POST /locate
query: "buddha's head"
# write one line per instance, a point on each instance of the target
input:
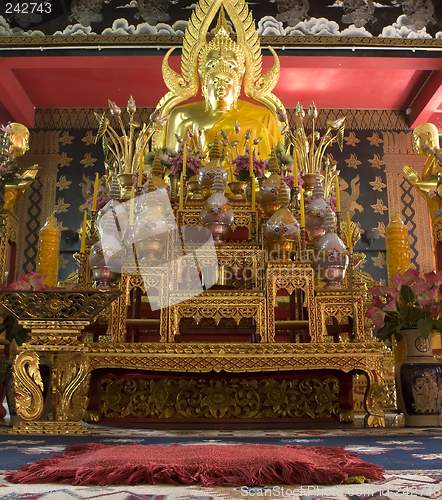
(221, 67)
(19, 139)
(425, 138)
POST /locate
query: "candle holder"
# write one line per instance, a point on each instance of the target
(295, 202)
(253, 227)
(338, 223)
(83, 268)
(303, 243)
(354, 337)
(93, 229)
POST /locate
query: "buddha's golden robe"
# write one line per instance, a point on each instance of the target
(258, 119)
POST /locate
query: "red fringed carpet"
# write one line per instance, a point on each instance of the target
(206, 465)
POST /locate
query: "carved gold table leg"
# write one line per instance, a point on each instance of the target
(374, 399)
(70, 384)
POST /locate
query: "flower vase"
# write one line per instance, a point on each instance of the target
(309, 184)
(126, 181)
(237, 188)
(419, 382)
(193, 187)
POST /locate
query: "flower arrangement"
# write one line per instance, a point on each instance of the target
(125, 151)
(102, 198)
(242, 166)
(193, 162)
(290, 181)
(412, 302)
(310, 149)
(10, 172)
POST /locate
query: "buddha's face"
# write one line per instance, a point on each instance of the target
(20, 143)
(222, 82)
(221, 90)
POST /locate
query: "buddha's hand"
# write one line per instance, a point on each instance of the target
(411, 175)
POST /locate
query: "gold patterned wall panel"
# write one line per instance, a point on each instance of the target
(398, 151)
(40, 198)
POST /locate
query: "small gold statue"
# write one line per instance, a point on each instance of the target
(221, 66)
(425, 139)
(19, 137)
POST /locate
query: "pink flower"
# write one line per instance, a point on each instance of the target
(391, 306)
(396, 280)
(434, 278)
(376, 315)
(290, 181)
(411, 276)
(426, 298)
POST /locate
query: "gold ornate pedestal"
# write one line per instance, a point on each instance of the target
(56, 320)
(225, 304)
(131, 277)
(251, 359)
(291, 276)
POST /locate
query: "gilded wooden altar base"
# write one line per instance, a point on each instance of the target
(201, 382)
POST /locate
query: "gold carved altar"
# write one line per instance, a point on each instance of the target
(270, 343)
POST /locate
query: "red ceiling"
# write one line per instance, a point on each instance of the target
(331, 82)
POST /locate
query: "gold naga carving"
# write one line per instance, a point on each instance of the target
(28, 386)
(71, 380)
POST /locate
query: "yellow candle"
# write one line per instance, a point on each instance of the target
(48, 251)
(83, 234)
(295, 171)
(185, 158)
(338, 196)
(349, 243)
(140, 171)
(182, 192)
(301, 203)
(253, 195)
(396, 242)
(251, 161)
(94, 203)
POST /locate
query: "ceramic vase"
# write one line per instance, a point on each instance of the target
(268, 193)
(419, 382)
(237, 188)
(330, 260)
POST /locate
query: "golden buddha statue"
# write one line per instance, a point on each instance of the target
(221, 66)
(425, 139)
(19, 138)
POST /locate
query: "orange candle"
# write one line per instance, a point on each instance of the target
(349, 243)
(301, 208)
(396, 242)
(338, 196)
(48, 251)
(83, 234)
(94, 203)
